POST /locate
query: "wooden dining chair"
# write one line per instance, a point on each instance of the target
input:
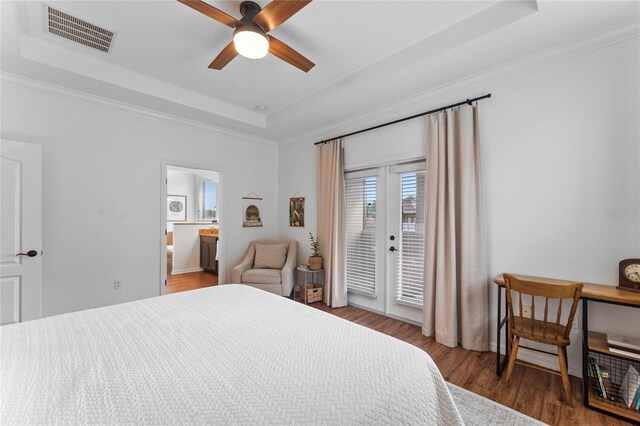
(543, 331)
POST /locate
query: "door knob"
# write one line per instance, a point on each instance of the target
(392, 248)
(30, 253)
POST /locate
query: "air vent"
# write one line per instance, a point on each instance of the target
(79, 31)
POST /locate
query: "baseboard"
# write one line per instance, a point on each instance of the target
(186, 271)
(543, 360)
(364, 308)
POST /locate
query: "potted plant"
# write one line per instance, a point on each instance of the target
(315, 260)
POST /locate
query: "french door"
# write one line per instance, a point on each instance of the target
(385, 239)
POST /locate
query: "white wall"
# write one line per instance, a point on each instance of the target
(297, 174)
(102, 192)
(560, 150)
(180, 182)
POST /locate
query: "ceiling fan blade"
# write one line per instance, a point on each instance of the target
(227, 54)
(211, 12)
(287, 54)
(278, 11)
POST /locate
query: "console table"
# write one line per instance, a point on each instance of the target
(590, 293)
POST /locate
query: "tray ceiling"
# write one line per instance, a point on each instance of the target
(368, 54)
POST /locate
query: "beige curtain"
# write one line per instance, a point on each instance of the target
(456, 281)
(331, 220)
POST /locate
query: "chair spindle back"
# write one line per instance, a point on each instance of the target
(529, 327)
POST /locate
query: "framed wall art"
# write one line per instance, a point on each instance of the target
(176, 208)
(296, 212)
(251, 207)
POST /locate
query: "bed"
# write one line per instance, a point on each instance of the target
(227, 354)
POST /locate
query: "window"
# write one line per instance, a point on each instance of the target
(208, 200)
(361, 234)
(409, 186)
(411, 258)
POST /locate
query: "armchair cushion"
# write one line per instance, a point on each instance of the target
(262, 276)
(270, 256)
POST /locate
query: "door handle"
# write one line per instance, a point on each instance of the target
(30, 253)
(392, 248)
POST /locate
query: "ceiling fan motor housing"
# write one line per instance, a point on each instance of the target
(249, 38)
(249, 9)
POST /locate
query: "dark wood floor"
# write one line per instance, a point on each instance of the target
(532, 392)
(191, 281)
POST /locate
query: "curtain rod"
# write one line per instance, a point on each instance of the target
(468, 101)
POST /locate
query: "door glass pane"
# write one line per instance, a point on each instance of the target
(361, 209)
(411, 257)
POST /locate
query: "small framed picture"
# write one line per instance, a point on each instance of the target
(176, 208)
(251, 212)
(296, 212)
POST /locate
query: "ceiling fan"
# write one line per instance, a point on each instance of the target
(250, 38)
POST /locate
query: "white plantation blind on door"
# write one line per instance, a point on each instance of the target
(361, 225)
(411, 257)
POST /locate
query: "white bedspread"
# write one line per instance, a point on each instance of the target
(221, 355)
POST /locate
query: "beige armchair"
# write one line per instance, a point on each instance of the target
(261, 273)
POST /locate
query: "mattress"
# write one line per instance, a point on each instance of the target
(227, 354)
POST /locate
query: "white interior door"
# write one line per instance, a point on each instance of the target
(20, 231)
(385, 239)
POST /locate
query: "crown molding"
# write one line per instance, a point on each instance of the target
(409, 105)
(62, 92)
(50, 53)
(423, 100)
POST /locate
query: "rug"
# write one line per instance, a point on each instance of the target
(478, 410)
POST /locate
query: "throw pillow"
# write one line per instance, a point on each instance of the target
(270, 256)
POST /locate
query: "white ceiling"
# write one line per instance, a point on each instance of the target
(367, 53)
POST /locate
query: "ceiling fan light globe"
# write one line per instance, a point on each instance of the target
(251, 43)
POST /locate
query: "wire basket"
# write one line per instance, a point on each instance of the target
(614, 380)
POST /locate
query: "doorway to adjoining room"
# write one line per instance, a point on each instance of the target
(192, 228)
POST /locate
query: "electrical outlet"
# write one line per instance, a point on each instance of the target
(117, 284)
(576, 321)
(526, 311)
